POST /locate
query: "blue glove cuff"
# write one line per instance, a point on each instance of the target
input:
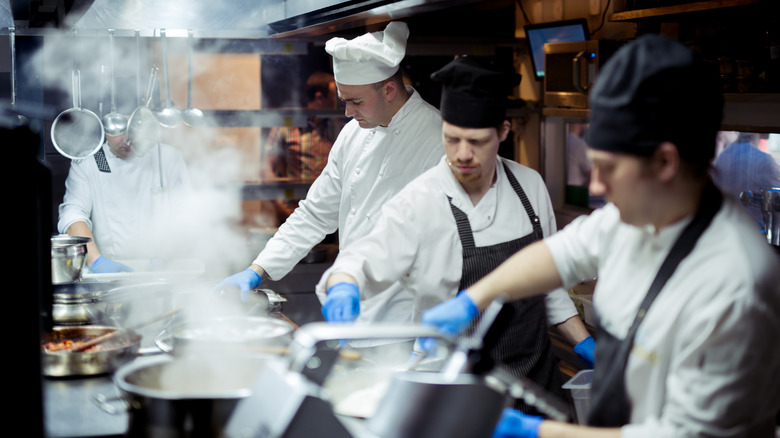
(468, 304)
(584, 349)
(345, 287)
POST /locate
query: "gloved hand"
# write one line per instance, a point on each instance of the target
(102, 265)
(515, 424)
(342, 303)
(584, 350)
(245, 281)
(451, 317)
(155, 264)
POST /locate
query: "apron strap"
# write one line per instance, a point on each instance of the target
(610, 405)
(464, 226)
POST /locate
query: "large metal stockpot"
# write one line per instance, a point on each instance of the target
(193, 396)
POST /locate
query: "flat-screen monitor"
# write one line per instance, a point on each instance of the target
(555, 32)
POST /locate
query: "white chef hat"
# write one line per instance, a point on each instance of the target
(369, 58)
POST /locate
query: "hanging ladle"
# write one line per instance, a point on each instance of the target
(169, 117)
(113, 122)
(21, 120)
(192, 116)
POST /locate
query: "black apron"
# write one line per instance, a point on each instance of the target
(524, 348)
(610, 406)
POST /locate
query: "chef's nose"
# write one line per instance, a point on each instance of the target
(596, 187)
(464, 152)
(349, 109)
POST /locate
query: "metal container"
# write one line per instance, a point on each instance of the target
(85, 302)
(109, 357)
(428, 405)
(68, 256)
(169, 396)
(225, 335)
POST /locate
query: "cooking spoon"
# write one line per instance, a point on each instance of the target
(169, 117)
(192, 116)
(113, 122)
(22, 120)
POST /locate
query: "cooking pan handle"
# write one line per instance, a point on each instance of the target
(105, 404)
(75, 78)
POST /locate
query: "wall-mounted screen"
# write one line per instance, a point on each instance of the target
(555, 32)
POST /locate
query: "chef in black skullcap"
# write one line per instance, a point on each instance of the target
(461, 219)
(687, 300)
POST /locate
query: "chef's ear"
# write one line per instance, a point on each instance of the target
(389, 89)
(503, 130)
(666, 161)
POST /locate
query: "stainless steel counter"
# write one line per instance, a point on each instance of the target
(70, 412)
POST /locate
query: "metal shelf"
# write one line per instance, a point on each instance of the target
(681, 9)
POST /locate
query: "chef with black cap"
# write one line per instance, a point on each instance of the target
(687, 299)
(461, 219)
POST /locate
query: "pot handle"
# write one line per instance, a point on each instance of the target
(105, 404)
(160, 341)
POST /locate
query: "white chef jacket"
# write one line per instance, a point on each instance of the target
(705, 360)
(366, 167)
(128, 208)
(417, 241)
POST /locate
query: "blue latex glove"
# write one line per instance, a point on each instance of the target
(515, 424)
(451, 317)
(342, 303)
(102, 265)
(245, 281)
(584, 350)
(155, 264)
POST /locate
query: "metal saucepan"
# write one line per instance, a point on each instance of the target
(169, 396)
(143, 128)
(86, 302)
(113, 122)
(77, 132)
(105, 358)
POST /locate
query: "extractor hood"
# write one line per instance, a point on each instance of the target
(215, 19)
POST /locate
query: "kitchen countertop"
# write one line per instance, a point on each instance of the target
(70, 412)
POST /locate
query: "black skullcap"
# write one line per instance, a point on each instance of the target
(474, 92)
(652, 90)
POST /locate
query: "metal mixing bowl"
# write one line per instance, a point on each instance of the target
(68, 255)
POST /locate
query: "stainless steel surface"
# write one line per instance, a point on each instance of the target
(113, 122)
(68, 256)
(77, 132)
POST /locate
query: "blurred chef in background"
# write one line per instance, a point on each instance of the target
(459, 221)
(119, 200)
(393, 137)
(696, 355)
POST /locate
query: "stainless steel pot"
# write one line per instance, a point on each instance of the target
(170, 396)
(428, 405)
(108, 358)
(68, 255)
(82, 303)
(225, 335)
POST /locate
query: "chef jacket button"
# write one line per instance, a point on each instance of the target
(357, 171)
(397, 132)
